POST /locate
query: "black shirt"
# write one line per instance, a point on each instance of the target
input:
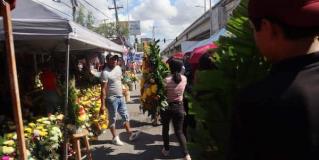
(278, 117)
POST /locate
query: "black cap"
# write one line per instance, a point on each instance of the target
(111, 56)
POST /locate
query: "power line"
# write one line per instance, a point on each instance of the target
(96, 9)
(54, 8)
(66, 4)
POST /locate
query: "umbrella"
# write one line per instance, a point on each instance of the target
(199, 51)
(178, 55)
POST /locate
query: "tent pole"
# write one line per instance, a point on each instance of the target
(66, 100)
(35, 62)
(14, 86)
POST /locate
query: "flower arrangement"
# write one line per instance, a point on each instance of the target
(129, 78)
(43, 139)
(153, 97)
(89, 100)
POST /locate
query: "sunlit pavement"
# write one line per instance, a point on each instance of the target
(147, 147)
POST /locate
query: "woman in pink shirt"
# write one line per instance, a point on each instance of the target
(175, 86)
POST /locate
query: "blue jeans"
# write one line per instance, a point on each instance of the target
(116, 104)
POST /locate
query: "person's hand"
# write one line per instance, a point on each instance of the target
(102, 110)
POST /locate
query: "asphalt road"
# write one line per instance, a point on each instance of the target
(147, 147)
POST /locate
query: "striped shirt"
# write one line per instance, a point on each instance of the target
(175, 91)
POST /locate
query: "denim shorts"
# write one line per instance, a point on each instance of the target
(116, 104)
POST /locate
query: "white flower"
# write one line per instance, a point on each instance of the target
(52, 118)
(36, 133)
(46, 122)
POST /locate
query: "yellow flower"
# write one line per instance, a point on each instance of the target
(40, 127)
(27, 135)
(96, 109)
(7, 150)
(43, 134)
(148, 91)
(154, 88)
(32, 125)
(9, 143)
(103, 116)
(28, 130)
(82, 118)
(104, 126)
(9, 136)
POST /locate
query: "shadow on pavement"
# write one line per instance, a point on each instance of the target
(136, 96)
(136, 124)
(99, 152)
(134, 101)
(99, 142)
(148, 147)
(150, 153)
(133, 124)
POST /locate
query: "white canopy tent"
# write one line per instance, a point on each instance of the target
(36, 27)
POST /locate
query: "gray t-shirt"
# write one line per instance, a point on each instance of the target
(113, 77)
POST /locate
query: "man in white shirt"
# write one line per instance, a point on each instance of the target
(111, 92)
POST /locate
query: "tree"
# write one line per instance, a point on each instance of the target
(108, 30)
(90, 21)
(80, 16)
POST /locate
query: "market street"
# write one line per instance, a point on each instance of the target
(147, 147)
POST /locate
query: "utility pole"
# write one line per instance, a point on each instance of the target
(204, 6)
(116, 15)
(74, 6)
(210, 18)
(128, 19)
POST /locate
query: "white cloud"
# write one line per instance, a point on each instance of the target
(147, 27)
(154, 9)
(170, 17)
(187, 11)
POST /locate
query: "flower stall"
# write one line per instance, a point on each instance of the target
(43, 138)
(129, 81)
(89, 111)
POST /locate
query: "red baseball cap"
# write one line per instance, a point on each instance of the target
(297, 13)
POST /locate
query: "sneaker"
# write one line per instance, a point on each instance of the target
(134, 135)
(165, 152)
(188, 157)
(116, 140)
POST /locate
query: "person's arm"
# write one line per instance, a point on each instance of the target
(104, 91)
(103, 96)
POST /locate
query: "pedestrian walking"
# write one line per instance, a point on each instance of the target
(277, 118)
(175, 86)
(112, 94)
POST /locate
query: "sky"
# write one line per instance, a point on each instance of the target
(168, 17)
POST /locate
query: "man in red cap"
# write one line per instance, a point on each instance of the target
(278, 117)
